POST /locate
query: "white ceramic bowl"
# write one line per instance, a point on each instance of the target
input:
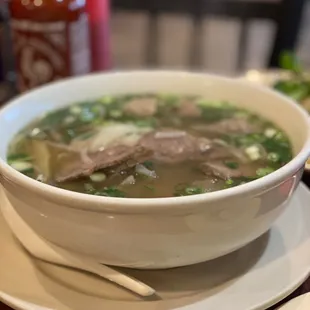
(160, 232)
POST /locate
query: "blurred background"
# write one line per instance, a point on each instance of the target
(43, 40)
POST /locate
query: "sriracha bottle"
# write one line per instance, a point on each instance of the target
(50, 40)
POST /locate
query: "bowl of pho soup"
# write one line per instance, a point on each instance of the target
(151, 169)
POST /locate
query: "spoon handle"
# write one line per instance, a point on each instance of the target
(119, 278)
(65, 258)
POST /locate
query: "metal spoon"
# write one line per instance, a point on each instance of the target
(51, 253)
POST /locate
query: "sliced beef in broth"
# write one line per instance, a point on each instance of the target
(149, 145)
(221, 152)
(220, 170)
(229, 126)
(173, 146)
(141, 107)
(190, 109)
(114, 156)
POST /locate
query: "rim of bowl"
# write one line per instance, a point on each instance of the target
(131, 205)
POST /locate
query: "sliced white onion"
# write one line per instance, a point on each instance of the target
(110, 135)
(140, 169)
(129, 181)
(169, 134)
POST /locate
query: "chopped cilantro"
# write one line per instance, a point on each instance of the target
(148, 164)
(109, 192)
(150, 187)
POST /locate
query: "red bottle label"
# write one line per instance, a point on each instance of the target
(49, 51)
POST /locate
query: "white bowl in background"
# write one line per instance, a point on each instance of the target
(158, 232)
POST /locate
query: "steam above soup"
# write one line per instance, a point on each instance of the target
(149, 146)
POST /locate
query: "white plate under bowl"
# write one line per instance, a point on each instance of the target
(254, 277)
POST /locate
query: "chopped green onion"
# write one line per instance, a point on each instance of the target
(22, 166)
(148, 164)
(169, 99)
(71, 133)
(270, 132)
(35, 132)
(106, 100)
(213, 103)
(69, 120)
(188, 191)
(150, 187)
(274, 157)
(75, 110)
(87, 116)
(261, 172)
(98, 177)
(85, 136)
(110, 192)
(253, 152)
(151, 122)
(18, 157)
(229, 182)
(116, 113)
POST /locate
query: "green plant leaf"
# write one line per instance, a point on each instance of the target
(289, 61)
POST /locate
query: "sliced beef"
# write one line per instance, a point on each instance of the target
(229, 126)
(173, 146)
(218, 153)
(141, 107)
(221, 152)
(189, 109)
(120, 156)
(220, 170)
